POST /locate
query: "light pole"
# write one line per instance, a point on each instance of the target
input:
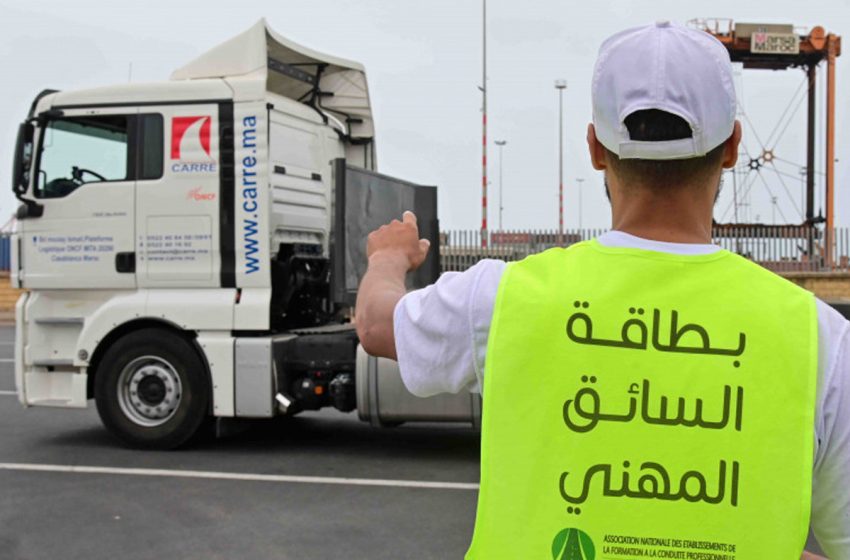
(484, 124)
(579, 180)
(561, 85)
(501, 144)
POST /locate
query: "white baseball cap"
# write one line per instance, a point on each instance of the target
(667, 67)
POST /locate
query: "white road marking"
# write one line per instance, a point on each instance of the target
(8, 393)
(215, 475)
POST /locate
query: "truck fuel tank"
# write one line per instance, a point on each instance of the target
(383, 400)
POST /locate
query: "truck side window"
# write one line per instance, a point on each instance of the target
(150, 146)
(80, 150)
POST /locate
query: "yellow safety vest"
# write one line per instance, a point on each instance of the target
(640, 404)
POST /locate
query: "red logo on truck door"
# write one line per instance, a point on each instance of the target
(197, 194)
(189, 135)
(190, 145)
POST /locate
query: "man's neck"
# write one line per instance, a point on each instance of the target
(671, 219)
(664, 232)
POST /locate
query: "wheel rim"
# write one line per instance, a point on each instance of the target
(149, 391)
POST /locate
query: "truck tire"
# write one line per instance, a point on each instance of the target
(152, 389)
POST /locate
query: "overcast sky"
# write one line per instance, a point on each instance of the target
(423, 61)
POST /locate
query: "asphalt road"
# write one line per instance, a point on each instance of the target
(80, 515)
(132, 515)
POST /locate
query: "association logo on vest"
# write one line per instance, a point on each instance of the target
(190, 144)
(573, 544)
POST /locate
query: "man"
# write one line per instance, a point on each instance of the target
(646, 394)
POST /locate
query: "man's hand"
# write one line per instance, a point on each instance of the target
(393, 250)
(398, 241)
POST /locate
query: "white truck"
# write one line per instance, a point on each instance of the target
(191, 249)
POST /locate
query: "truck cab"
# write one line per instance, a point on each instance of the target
(191, 248)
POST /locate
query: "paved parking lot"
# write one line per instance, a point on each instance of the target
(136, 507)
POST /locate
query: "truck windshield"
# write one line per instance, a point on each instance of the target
(80, 150)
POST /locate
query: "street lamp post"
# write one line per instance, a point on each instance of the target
(561, 85)
(579, 180)
(501, 144)
(484, 123)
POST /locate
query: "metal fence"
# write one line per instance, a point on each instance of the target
(778, 248)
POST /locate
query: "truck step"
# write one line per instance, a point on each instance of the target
(52, 402)
(59, 321)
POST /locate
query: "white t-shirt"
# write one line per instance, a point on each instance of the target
(441, 341)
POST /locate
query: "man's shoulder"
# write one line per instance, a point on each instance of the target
(766, 275)
(486, 271)
(833, 324)
(552, 255)
(455, 285)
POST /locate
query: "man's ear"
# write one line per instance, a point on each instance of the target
(597, 150)
(730, 150)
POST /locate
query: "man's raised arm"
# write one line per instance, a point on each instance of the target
(393, 250)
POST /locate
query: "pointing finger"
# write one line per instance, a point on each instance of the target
(409, 217)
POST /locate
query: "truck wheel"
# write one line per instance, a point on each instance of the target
(152, 390)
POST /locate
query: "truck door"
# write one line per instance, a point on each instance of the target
(87, 163)
(177, 215)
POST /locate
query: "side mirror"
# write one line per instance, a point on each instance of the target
(23, 158)
(21, 172)
(29, 209)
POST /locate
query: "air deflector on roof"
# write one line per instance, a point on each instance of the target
(332, 85)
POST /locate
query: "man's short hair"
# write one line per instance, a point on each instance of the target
(655, 125)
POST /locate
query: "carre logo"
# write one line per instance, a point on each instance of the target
(190, 134)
